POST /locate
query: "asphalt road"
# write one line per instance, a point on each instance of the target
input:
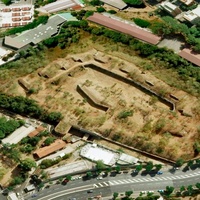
(118, 183)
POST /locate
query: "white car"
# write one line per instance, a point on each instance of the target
(99, 178)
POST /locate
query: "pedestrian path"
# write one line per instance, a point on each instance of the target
(149, 179)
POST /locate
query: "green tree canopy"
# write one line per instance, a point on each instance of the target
(100, 165)
(133, 2)
(27, 164)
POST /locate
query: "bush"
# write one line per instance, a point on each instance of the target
(141, 22)
(49, 141)
(124, 114)
(100, 9)
(112, 12)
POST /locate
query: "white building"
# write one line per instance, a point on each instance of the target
(18, 134)
(170, 8)
(193, 16)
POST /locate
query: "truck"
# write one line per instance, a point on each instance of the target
(29, 188)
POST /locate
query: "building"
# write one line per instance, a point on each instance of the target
(116, 3)
(42, 32)
(126, 159)
(12, 196)
(42, 152)
(109, 157)
(60, 5)
(124, 27)
(18, 134)
(170, 8)
(190, 56)
(36, 131)
(187, 2)
(193, 16)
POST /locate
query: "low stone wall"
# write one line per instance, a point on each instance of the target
(139, 86)
(92, 101)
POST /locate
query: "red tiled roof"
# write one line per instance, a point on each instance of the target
(16, 9)
(6, 25)
(26, 8)
(15, 14)
(24, 23)
(16, 24)
(36, 131)
(6, 10)
(57, 145)
(16, 19)
(26, 18)
(190, 56)
(124, 28)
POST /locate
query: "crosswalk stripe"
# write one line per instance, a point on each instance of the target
(126, 181)
(116, 182)
(120, 181)
(131, 180)
(105, 183)
(111, 183)
(95, 185)
(100, 184)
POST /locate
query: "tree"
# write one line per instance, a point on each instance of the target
(179, 162)
(149, 166)
(190, 189)
(128, 193)
(190, 163)
(182, 188)
(158, 167)
(49, 141)
(117, 168)
(138, 167)
(89, 174)
(27, 164)
(198, 185)
(169, 190)
(100, 165)
(141, 22)
(69, 177)
(7, 2)
(100, 9)
(133, 2)
(115, 195)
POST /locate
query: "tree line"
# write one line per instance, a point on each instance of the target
(28, 107)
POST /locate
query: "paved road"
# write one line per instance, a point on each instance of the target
(119, 183)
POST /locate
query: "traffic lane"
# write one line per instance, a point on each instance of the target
(187, 181)
(48, 194)
(104, 192)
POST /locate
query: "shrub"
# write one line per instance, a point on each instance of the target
(141, 22)
(124, 114)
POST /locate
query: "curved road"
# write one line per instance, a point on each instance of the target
(118, 183)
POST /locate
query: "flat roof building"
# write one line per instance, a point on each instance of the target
(57, 145)
(39, 33)
(170, 8)
(116, 3)
(126, 28)
(18, 134)
(60, 5)
(193, 16)
(190, 56)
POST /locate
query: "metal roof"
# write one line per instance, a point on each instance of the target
(115, 3)
(126, 28)
(37, 34)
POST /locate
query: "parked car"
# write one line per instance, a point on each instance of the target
(161, 191)
(159, 172)
(65, 181)
(90, 191)
(99, 178)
